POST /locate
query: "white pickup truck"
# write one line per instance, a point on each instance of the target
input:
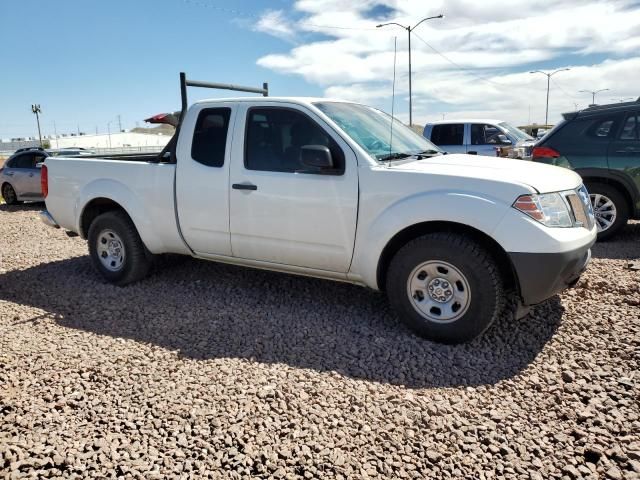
(334, 190)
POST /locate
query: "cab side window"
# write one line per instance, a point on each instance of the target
(210, 136)
(483, 134)
(275, 136)
(448, 134)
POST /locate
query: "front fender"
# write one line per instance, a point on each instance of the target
(483, 213)
(127, 199)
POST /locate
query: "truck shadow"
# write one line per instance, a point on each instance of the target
(23, 207)
(624, 246)
(267, 317)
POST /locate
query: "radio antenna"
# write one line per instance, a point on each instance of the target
(393, 95)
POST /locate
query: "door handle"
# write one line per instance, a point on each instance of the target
(472, 153)
(31, 174)
(244, 186)
(9, 174)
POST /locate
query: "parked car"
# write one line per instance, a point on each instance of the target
(20, 176)
(318, 187)
(602, 144)
(479, 137)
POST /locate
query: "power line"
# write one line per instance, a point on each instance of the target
(563, 90)
(470, 71)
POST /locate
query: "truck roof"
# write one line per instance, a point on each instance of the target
(465, 120)
(304, 100)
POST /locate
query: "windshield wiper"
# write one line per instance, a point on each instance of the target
(429, 152)
(394, 156)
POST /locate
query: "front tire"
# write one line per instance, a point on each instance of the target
(116, 249)
(9, 195)
(609, 207)
(445, 287)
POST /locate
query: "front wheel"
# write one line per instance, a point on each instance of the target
(116, 249)
(445, 287)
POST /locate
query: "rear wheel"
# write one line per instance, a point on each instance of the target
(9, 195)
(445, 287)
(117, 250)
(610, 209)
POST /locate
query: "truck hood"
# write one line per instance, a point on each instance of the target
(541, 177)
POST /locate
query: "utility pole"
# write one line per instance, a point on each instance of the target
(37, 110)
(109, 132)
(549, 75)
(410, 29)
(119, 124)
(55, 130)
(593, 94)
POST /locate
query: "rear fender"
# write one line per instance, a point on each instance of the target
(130, 202)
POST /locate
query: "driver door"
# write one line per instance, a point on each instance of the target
(282, 211)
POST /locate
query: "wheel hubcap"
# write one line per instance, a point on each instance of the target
(604, 210)
(439, 291)
(110, 250)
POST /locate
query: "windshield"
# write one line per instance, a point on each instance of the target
(516, 132)
(371, 129)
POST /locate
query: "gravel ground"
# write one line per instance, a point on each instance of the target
(206, 370)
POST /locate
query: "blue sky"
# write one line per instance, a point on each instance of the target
(86, 62)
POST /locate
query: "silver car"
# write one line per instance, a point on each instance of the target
(20, 176)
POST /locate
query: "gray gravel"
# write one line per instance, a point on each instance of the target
(206, 370)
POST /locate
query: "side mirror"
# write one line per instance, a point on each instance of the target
(316, 156)
(504, 140)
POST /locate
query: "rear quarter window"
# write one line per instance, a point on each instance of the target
(602, 128)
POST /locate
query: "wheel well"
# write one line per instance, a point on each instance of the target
(93, 209)
(414, 231)
(624, 191)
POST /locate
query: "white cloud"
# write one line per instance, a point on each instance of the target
(275, 23)
(494, 43)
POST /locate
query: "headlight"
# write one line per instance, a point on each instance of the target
(550, 209)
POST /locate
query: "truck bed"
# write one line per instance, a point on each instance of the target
(143, 187)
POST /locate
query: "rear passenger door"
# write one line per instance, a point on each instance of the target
(449, 137)
(202, 178)
(21, 173)
(624, 150)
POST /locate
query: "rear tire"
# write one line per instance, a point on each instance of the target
(445, 287)
(9, 195)
(610, 208)
(116, 249)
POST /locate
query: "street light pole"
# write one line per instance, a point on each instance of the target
(549, 75)
(410, 29)
(37, 110)
(593, 94)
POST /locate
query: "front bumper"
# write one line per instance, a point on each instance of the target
(542, 275)
(47, 219)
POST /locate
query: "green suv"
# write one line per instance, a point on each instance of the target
(602, 144)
